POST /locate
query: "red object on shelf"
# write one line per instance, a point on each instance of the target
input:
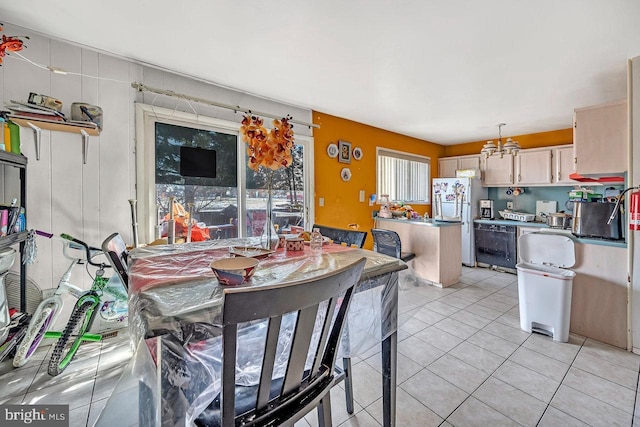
(600, 179)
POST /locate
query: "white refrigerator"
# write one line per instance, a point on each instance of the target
(458, 199)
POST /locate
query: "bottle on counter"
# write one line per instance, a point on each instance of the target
(316, 241)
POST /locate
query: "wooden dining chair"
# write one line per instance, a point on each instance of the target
(388, 242)
(284, 401)
(349, 237)
(339, 235)
(117, 254)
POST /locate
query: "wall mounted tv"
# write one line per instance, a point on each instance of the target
(197, 162)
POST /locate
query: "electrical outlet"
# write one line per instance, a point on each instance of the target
(509, 205)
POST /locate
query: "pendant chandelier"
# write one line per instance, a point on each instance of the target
(510, 146)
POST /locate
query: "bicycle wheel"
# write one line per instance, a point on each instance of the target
(34, 335)
(71, 338)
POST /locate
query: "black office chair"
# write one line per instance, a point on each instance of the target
(339, 235)
(116, 251)
(388, 242)
(284, 400)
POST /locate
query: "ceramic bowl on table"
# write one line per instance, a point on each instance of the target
(234, 271)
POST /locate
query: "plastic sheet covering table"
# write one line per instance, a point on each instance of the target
(175, 306)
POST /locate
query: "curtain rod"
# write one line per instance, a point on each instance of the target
(143, 88)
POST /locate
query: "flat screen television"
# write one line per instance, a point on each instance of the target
(197, 162)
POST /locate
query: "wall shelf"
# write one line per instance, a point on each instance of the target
(38, 124)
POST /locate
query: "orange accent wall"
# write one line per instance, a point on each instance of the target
(533, 140)
(341, 199)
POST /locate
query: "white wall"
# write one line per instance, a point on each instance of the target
(90, 201)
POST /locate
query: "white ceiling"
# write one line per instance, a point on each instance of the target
(443, 71)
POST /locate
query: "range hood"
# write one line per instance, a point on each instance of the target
(597, 179)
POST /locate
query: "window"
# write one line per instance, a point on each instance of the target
(403, 176)
(202, 161)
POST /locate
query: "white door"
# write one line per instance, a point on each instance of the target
(564, 163)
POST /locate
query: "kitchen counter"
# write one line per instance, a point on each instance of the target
(437, 245)
(428, 223)
(542, 225)
(599, 295)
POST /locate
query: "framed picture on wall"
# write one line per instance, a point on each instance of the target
(344, 155)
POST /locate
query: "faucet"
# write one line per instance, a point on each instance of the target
(616, 208)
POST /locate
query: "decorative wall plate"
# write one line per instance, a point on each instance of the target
(357, 153)
(332, 150)
(345, 173)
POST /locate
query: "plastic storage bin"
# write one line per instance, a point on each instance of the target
(545, 284)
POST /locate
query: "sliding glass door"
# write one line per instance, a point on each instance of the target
(201, 162)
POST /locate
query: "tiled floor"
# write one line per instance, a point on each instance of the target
(462, 361)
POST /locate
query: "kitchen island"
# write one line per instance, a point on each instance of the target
(437, 246)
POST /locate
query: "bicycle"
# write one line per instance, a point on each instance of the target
(13, 324)
(106, 297)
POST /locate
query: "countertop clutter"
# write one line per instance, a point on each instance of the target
(423, 222)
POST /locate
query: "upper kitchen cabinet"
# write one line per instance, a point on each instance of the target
(600, 139)
(447, 166)
(563, 164)
(498, 170)
(533, 167)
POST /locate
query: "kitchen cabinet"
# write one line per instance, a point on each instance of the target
(447, 166)
(600, 139)
(533, 167)
(498, 171)
(599, 297)
(563, 165)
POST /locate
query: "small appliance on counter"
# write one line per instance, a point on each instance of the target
(486, 209)
(590, 220)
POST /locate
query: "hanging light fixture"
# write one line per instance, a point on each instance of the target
(510, 146)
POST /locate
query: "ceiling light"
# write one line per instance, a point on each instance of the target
(510, 146)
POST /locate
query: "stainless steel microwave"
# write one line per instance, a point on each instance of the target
(590, 220)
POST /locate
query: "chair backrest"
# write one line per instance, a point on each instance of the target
(325, 298)
(338, 235)
(386, 242)
(116, 251)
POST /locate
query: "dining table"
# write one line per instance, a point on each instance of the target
(175, 304)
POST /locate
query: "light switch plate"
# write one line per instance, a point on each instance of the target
(362, 195)
(321, 201)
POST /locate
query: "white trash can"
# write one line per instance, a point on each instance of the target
(545, 284)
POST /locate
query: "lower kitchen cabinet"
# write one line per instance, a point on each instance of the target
(599, 298)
